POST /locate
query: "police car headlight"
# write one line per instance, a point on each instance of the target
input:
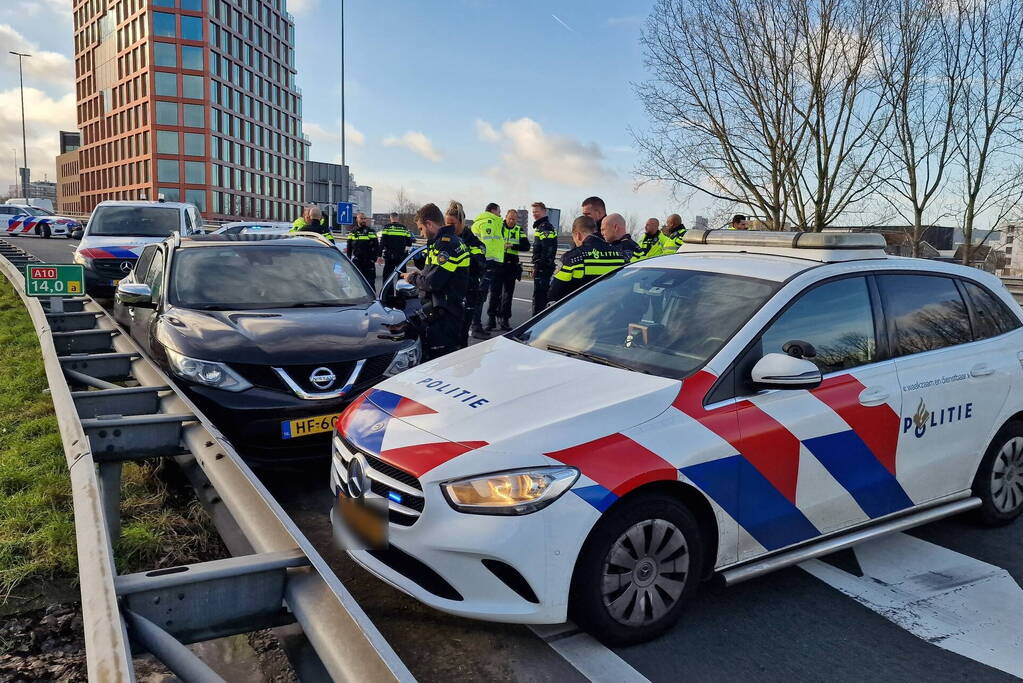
(82, 260)
(404, 359)
(207, 372)
(516, 492)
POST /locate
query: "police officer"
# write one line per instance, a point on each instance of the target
(654, 243)
(613, 229)
(488, 228)
(594, 208)
(363, 248)
(311, 220)
(591, 258)
(502, 290)
(395, 240)
(474, 295)
(441, 283)
(674, 230)
(545, 251)
(738, 222)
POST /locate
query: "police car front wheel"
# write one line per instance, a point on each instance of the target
(999, 480)
(639, 566)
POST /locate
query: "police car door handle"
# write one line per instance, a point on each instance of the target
(981, 370)
(874, 396)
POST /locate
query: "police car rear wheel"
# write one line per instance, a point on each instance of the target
(44, 230)
(638, 568)
(999, 480)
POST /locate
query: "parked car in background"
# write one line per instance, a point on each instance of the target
(35, 202)
(271, 336)
(117, 232)
(17, 220)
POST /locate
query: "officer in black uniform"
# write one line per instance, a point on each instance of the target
(615, 233)
(455, 217)
(591, 258)
(395, 241)
(545, 252)
(364, 248)
(441, 283)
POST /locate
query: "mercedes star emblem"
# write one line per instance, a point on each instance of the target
(322, 378)
(126, 267)
(358, 482)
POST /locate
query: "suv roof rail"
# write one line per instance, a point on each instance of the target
(790, 240)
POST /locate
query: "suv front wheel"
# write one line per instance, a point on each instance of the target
(638, 568)
(999, 480)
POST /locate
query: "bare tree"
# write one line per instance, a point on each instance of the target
(989, 128)
(404, 207)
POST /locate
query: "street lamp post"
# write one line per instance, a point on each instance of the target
(24, 144)
(344, 162)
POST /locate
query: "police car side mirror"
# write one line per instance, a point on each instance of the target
(781, 371)
(135, 295)
(77, 234)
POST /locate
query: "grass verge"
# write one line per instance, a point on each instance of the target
(37, 533)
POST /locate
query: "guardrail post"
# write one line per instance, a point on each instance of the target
(110, 490)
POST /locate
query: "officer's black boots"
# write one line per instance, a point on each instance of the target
(480, 333)
(491, 325)
(505, 324)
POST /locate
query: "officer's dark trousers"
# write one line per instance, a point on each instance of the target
(473, 303)
(442, 335)
(369, 271)
(389, 265)
(541, 288)
(502, 290)
(486, 285)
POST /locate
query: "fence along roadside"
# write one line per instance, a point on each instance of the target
(113, 405)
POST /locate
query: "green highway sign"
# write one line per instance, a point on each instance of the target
(54, 280)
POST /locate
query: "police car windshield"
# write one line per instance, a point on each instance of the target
(136, 221)
(661, 321)
(37, 211)
(235, 277)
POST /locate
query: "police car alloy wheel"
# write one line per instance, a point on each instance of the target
(44, 230)
(999, 480)
(640, 565)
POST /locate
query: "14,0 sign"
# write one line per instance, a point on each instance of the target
(54, 280)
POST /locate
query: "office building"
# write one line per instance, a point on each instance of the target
(192, 99)
(37, 189)
(68, 181)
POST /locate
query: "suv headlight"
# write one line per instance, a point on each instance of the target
(515, 492)
(207, 372)
(404, 359)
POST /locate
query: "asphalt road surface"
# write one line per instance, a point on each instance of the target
(941, 603)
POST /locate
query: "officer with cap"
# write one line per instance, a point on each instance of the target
(591, 258)
(441, 283)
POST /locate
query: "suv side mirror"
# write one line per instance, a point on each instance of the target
(134, 294)
(405, 290)
(781, 371)
(77, 234)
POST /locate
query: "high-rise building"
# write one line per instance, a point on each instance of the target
(68, 179)
(192, 99)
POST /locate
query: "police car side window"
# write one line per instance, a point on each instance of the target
(836, 318)
(926, 312)
(991, 316)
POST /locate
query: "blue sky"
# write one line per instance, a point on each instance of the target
(476, 100)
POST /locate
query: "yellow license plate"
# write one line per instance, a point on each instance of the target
(366, 519)
(292, 429)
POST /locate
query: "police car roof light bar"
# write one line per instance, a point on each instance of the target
(788, 240)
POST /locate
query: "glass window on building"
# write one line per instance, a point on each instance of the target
(193, 115)
(164, 54)
(170, 194)
(191, 57)
(197, 197)
(191, 28)
(215, 147)
(194, 5)
(163, 3)
(167, 171)
(192, 87)
(195, 144)
(166, 83)
(195, 172)
(167, 113)
(163, 25)
(166, 142)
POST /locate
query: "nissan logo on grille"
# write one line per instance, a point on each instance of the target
(358, 481)
(126, 267)
(322, 378)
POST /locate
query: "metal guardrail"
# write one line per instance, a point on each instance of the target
(114, 405)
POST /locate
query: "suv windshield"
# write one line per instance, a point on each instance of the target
(662, 321)
(137, 221)
(265, 276)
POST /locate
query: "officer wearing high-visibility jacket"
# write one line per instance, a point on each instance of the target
(364, 248)
(395, 240)
(654, 243)
(488, 227)
(674, 230)
(591, 258)
(545, 251)
(474, 295)
(311, 220)
(441, 283)
(502, 289)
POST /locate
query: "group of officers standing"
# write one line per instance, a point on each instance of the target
(461, 270)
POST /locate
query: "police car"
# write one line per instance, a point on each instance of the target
(753, 401)
(17, 220)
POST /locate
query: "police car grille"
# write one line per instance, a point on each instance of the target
(111, 267)
(405, 502)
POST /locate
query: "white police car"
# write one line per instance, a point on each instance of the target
(753, 401)
(17, 220)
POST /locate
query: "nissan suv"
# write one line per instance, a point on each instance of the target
(271, 336)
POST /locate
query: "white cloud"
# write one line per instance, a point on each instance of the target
(302, 6)
(529, 152)
(51, 67)
(320, 135)
(417, 142)
(44, 116)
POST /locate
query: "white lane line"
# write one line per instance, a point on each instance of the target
(956, 602)
(528, 301)
(587, 655)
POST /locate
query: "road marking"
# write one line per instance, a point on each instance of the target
(528, 301)
(587, 655)
(956, 602)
